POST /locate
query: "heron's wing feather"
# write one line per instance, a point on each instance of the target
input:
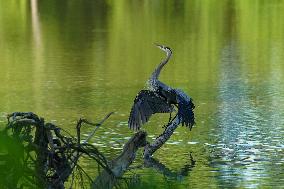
(185, 109)
(145, 105)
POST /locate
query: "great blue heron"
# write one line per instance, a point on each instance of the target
(160, 98)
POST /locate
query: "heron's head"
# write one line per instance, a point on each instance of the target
(164, 48)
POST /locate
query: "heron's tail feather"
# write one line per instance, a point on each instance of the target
(186, 114)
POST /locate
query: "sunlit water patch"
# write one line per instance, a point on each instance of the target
(250, 142)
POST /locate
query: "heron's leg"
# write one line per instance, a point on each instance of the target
(170, 119)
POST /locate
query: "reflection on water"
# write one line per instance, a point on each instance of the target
(246, 143)
(68, 59)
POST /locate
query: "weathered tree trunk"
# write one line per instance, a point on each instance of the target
(120, 164)
(151, 148)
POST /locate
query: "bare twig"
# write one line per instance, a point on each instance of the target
(97, 126)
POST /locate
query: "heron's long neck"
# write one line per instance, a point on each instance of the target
(156, 73)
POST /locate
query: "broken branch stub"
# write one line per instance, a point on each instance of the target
(120, 164)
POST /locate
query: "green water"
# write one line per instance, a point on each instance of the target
(84, 58)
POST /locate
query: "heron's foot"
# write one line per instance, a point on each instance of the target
(166, 126)
(170, 118)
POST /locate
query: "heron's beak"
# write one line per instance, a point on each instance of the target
(159, 46)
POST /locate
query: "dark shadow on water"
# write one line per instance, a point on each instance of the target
(167, 172)
(136, 180)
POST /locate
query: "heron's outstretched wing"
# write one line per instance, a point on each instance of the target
(185, 109)
(145, 105)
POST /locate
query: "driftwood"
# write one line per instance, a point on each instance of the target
(57, 156)
(120, 164)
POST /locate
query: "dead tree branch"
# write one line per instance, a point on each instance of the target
(160, 140)
(120, 164)
(57, 155)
